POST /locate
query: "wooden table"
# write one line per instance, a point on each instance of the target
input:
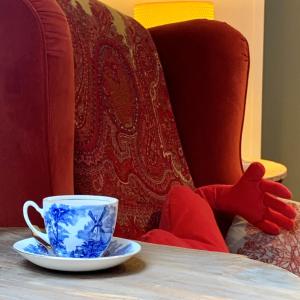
(158, 272)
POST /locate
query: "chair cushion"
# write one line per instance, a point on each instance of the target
(281, 250)
(126, 142)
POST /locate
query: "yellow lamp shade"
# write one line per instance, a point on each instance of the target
(159, 13)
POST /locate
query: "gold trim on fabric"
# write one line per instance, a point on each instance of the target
(85, 5)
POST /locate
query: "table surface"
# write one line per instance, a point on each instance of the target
(158, 272)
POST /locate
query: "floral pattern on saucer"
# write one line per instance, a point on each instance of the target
(36, 249)
(115, 248)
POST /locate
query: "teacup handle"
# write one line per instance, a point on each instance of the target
(40, 234)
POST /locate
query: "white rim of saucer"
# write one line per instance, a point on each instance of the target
(139, 247)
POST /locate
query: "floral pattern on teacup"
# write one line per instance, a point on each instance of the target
(95, 234)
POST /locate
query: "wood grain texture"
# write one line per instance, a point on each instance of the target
(158, 272)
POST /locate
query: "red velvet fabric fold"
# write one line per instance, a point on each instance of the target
(187, 220)
(206, 65)
(37, 105)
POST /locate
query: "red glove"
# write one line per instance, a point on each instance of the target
(162, 237)
(254, 199)
(188, 221)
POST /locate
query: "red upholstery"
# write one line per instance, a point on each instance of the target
(37, 105)
(126, 143)
(207, 87)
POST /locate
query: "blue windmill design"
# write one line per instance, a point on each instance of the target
(95, 234)
(98, 231)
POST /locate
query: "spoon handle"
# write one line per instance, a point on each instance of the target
(42, 242)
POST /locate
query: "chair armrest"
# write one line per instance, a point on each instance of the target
(37, 105)
(206, 65)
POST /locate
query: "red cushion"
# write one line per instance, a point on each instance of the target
(191, 220)
(126, 143)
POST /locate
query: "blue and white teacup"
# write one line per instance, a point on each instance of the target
(78, 226)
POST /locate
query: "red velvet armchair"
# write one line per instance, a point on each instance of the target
(92, 103)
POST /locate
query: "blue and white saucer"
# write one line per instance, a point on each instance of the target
(118, 252)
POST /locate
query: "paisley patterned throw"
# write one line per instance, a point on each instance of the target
(126, 141)
(282, 250)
